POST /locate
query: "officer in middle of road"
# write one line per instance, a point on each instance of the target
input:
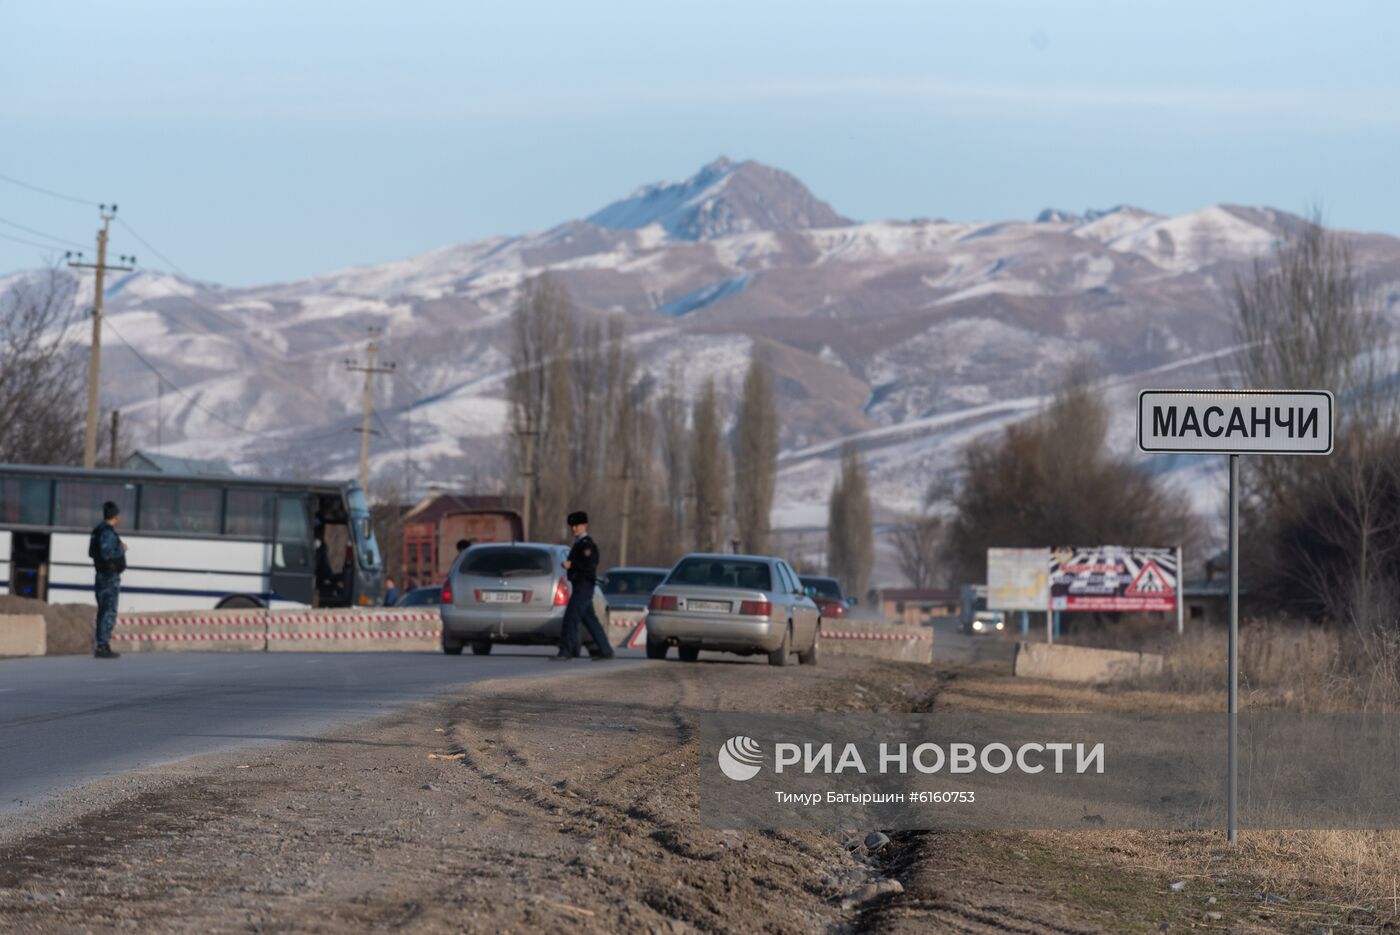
(582, 569)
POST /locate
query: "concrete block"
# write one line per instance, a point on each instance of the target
(620, 624)
(191, 631)
(880, 640)
(23, 635)
(352, 630)
(1082, 664)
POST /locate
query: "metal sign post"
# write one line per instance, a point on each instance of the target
(1235, 422)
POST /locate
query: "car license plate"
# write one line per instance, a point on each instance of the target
(720, 606)
(502, 597)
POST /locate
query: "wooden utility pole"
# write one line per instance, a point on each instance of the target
(369, 370)
(95, 354)
(112, 452)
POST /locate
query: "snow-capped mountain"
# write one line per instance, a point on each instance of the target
(909, 337)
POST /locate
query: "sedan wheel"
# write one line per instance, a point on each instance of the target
(809, 658)
(688, 653)
(451, 647)
(779, 656)
(656, 649)
(481, 648)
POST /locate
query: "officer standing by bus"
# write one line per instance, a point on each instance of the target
(581, 568)
(108, 554)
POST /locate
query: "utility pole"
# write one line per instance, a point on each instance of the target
(95, 355)
(369, 370)
(112, 453)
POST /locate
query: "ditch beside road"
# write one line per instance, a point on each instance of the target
(570, 804)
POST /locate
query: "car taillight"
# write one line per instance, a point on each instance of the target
(561, 593)
(446, 597)
(755, 608)
(662, 602)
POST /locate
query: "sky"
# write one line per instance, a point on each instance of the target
(252, 142)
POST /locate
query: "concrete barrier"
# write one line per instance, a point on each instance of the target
(23, 635)
(621, 624)
(881, 640)
(1081, 664)
(191, 631)
(341, 631)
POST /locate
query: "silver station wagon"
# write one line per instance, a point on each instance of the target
(741, 604)
(508, 593)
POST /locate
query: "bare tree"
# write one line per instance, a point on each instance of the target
(41, 399)
(709, 463)
(1051, 480)
(541, 396)
(850, 535)
(1329, 527)
(674, 443)
(755, 457)
(919, 539)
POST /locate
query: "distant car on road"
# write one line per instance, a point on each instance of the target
(827, 593)
(507, 593)
(741, 604)
(630, 588)
(422, 597)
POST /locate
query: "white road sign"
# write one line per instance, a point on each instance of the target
(1018, 579)
(1259, 422)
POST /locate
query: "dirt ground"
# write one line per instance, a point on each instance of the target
(570, 804)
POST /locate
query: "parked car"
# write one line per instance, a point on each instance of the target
(630, 588)
(421, 597)
(508, 593)
(830, 601)
(741, 604)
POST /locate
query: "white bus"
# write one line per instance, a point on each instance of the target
(194, 542)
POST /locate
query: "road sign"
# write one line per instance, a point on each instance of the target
(1234, 423)
(1018, 579)
(1260, 422)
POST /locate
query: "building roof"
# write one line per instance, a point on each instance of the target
(170, 464)
(437, 505)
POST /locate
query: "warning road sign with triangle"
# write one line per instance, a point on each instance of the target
(1150, 581)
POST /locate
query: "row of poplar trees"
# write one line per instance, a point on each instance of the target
(657, 475)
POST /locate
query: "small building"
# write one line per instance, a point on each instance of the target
(432, 529)
(917, 606)
(1207, 598)
(147, 461)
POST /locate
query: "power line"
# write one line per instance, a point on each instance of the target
(47, 191)
(148, 245)
(30, 230)
(28, 243)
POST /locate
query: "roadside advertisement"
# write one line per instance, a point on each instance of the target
(1018, 579)
(1113, 579)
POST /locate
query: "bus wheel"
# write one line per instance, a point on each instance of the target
(239, 602)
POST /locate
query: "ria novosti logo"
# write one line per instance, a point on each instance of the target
(740, 758)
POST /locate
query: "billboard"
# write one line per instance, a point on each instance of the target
(1018, 579)
(1113, 579)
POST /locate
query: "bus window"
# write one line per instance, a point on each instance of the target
(171, 508)
(249, 514)
(292, 550)
(78, 503)
(25, 501)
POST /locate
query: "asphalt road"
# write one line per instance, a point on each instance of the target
(66, 720)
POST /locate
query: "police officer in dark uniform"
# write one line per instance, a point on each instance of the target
(582, 569)
(108, 554)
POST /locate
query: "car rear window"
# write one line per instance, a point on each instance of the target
(722, 573)
(421, 597)
(632, 582)
(508, 561)
(825, 587)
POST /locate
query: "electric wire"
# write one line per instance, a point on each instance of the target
(47, 191)
(38, 233)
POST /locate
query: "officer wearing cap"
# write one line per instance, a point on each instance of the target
(582, 569)
(108, 554)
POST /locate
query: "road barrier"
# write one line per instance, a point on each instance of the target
(881, 640)
(23, 635)
(370, 630)
(1081, 664)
